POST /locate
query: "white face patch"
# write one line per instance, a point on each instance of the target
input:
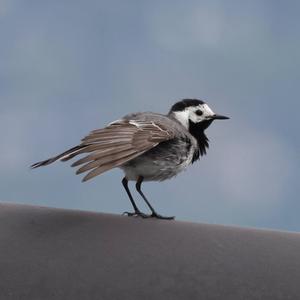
(196, 114)
(200, 113)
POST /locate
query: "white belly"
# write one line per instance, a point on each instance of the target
(155, 170)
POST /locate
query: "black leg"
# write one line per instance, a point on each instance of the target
(154, 213)
(136, 212)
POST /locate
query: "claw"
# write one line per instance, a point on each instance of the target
(136, 214)
(157, 216)
(145, 216)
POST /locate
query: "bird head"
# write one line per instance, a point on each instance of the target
(194, 112)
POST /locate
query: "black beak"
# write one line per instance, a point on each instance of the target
(219, 117)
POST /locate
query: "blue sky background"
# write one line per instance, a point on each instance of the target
(67, 67)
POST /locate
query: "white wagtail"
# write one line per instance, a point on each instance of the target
(146, 146)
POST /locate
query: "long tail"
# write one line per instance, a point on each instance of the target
(63, 156)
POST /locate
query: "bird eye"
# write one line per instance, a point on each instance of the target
(199, 112)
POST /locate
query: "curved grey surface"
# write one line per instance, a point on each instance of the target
(51, 253)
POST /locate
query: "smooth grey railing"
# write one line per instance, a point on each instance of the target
(48, 253)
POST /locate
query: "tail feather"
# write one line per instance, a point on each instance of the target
(63, 156)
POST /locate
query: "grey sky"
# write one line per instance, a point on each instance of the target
(67, 67)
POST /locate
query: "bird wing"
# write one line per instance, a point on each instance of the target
(118, 143)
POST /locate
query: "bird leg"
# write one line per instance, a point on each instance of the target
(154, 213)
(137, 212)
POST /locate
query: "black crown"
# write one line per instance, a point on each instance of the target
(183, 104)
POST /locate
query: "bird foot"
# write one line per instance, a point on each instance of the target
(136, 214)
(157, 216)
(145, 216)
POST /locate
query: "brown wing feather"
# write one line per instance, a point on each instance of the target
(118, 143)
(102, 152)
(104, 159)
(113, 146)
(102, 168)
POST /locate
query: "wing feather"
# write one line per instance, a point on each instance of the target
(102, 168)
(109, 152)
(106, 160)
(114, 145)
(101, 151)
(118, 143)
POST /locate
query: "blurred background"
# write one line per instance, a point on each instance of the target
(67, 67)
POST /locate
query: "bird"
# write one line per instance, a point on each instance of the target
(147, 146)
